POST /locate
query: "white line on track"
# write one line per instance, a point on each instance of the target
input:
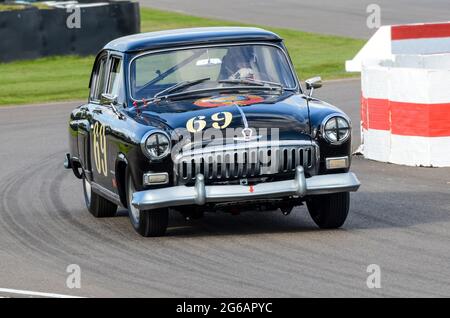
(33, 293)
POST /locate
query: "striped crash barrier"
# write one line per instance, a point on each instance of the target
(405, 104)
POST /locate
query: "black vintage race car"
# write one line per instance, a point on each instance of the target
(207, 119)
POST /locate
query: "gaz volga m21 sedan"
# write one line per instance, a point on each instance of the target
(204, 120)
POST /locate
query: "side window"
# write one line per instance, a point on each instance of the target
(115, 77)
(99, 80)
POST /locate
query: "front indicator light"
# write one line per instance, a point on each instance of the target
(337, 163)
(156, 178)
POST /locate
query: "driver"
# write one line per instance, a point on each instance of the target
(238, 63)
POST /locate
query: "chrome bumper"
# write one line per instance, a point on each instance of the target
(201, 194)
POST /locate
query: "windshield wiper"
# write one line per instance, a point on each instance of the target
(250, 82)
(179, 86)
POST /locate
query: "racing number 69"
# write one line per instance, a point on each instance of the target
(100, 154)
(221, 121)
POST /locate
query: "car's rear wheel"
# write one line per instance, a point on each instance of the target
(329, 211)
(148, 223)
(96, 204)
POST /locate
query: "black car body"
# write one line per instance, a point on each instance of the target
(148, 141)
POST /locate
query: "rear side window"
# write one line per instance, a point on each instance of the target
(98, 86)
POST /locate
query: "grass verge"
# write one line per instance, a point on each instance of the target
(15, 6)
(67, 77)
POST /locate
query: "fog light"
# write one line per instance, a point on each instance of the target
(156, 178)
(336, 163)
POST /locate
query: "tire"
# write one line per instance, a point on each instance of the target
(329, 211)
(96, 204)
(148, 223)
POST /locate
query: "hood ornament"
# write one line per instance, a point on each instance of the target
(247, 133)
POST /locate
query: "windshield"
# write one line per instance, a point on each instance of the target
(155, 72)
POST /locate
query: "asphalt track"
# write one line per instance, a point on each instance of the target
(400, 220)
(342, 17)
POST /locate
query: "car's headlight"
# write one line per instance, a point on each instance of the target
(156, 145)
(336, 129)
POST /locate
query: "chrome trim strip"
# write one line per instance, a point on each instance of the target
(192, 149)
(107, 194)
(288, 60)
(244, 118)
(201, 194)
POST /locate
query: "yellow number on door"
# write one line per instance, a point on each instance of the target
(100, 152)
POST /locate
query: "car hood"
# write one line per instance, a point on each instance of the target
(287, 114)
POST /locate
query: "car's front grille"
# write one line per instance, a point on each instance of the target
(245, 162)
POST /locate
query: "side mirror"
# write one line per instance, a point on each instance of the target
(108, 100)
(111, 101)
(313, 83)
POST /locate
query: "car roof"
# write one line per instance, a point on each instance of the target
(192, 36)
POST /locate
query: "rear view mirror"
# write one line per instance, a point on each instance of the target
(209, 62)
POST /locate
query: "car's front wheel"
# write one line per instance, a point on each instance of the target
(329, 211)
(148, 223)
(96, 204)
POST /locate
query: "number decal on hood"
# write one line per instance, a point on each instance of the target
(221, 120)
(224, 117)
(196, 124)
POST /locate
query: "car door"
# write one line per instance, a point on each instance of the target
(84, 115)
(103, 122)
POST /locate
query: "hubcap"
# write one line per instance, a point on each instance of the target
(134, 212)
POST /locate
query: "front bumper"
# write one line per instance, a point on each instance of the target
(201, 194)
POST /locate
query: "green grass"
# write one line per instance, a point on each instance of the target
(67, 78)
(45, 80)
(12, 7)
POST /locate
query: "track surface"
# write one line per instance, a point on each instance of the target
(343, 17)
(400, 220)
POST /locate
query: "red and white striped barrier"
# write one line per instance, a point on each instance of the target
(424, 38)
(405, 104)
(427, 38)
(405, 111)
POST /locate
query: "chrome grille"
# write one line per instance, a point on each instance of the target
(237, 163)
